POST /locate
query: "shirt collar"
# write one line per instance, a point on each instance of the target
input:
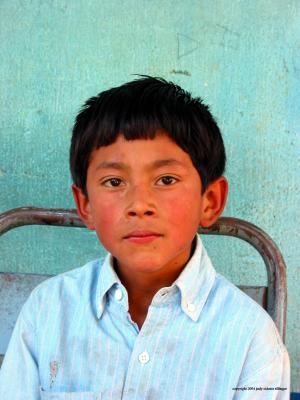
(107, 279)
(194, 282)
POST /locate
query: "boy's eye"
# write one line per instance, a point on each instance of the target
(167, 180)
(112, 182)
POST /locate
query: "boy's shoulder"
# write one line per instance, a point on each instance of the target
(76, 283)
(235, 300)
(238, 306)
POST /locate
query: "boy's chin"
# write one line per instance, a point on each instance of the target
(142, 264)
(150, 268)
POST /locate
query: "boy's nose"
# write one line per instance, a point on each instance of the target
(140, 203)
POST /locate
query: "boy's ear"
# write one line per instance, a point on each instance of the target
(83, 207)
(214, 201)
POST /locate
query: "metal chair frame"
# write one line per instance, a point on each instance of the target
(273, 298)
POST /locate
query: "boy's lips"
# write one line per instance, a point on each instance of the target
(140, 236)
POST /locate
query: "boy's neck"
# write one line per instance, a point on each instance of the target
(142, 290)
(144, 286)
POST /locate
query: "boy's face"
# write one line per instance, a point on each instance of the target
(145, 203)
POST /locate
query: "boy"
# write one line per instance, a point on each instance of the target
(153, 320)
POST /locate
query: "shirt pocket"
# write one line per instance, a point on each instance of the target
(69, 395)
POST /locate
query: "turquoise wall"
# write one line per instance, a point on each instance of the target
(242, 57)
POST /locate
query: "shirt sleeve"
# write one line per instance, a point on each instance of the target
(19, 377)
(266, 371)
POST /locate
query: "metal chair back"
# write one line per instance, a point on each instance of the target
(15, 288)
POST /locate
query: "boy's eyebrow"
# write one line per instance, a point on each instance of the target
(153, 165)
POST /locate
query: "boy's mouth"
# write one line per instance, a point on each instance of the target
(142, 236)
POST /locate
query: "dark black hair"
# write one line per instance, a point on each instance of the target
(136, 110)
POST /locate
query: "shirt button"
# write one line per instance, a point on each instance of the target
(144, 357)
(118, 294)
(191, 307)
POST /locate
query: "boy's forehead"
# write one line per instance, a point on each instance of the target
(155, 153)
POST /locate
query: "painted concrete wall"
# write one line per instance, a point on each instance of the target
(242, 57)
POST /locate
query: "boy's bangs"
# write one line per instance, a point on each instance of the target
(135, 121)
(137, 110)
(141, 121)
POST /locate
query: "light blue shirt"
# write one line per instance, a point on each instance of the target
(202, 339)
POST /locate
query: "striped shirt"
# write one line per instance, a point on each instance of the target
(202, 339)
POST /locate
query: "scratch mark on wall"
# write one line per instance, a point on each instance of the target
(296, 66)
(180, 72)
(230, 31)
(185, 45)
(53, 371)
(230, 38)
(285, 67)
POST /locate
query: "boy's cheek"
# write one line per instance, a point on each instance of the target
(106, 217)
(108, 223)
(105, 230)
(184, 209)
(184, 218)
